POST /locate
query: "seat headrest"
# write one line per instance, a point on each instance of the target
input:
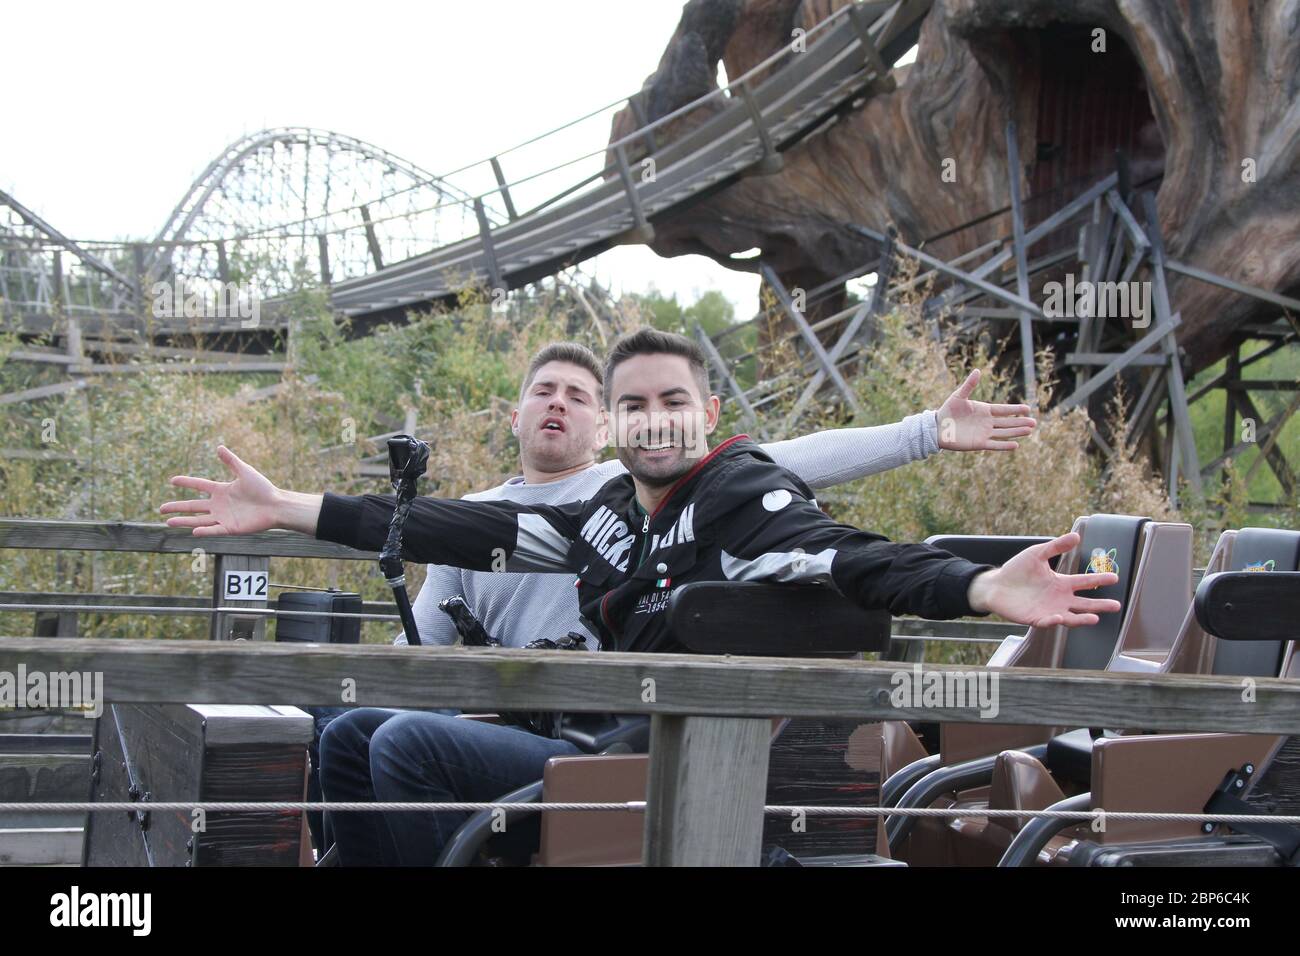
(1110, 543)
(1263, 550)
(1266, 549)
(779, 620)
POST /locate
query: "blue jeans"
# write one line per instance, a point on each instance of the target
(371, 754)
(321, 837)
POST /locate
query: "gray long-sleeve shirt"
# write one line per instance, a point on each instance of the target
(518, 608)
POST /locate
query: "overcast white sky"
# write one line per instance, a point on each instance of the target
(125, 103)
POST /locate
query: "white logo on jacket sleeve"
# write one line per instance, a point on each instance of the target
(776, 500)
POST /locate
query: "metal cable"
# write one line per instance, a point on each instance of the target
(124, 609)
(635, 806)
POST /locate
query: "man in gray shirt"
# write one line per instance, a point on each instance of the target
(561, 430)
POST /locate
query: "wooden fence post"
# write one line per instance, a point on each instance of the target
(706, 788)
(231, 626)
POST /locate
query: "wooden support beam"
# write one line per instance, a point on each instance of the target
(1117, 364)
(1126, 219)
(31, 355)
(716, 359)
(1248, 410)
(705, 792)
(1027, 356)
(1255, 292)
(489, 249)
(371, 239)
(1183, 432)
(323, 249)
(809, 336)
(1144, 410)
(244, 367)
(1048, 226)
(862, 315)
(1232, 371)
(504, 188)
(145, 671)
(223, 264)
(1261, 385)
(55, 535)
(771, 161)
(1104, 358)
(43, 391)
(1268, 450)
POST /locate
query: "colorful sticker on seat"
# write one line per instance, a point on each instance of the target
(1260, 565)
(1103, 562)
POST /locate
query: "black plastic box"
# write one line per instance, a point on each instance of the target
(318, 630)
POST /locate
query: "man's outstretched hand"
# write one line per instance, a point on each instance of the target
(965, 425)
(247, 505)
(1027, 591)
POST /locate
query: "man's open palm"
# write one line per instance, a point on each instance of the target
(966, 425)
(1026, 589)
(243, 506)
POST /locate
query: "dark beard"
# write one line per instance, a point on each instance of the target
(655, 479)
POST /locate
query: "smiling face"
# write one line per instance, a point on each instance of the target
(661, 421)
(559, 422)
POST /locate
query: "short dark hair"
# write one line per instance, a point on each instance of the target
(572, 352)
(651, 341)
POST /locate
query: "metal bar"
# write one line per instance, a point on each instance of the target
(642, 231)
(858, 15)
(504, 189)
(771, 161)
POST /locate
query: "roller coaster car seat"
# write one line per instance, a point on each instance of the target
(811, 761)
(1242, 624)
(1153, 561)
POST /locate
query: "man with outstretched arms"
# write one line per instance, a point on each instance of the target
(681, 514)
(561, 426)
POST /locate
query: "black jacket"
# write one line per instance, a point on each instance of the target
(735, 516)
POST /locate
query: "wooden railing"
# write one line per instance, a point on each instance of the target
(710, 715)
